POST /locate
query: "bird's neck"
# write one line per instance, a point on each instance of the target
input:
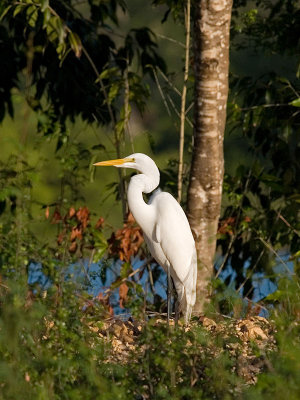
(142, 212)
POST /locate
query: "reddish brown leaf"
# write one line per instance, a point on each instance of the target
(72, 212)
(126, 242)
(60, 237)
(56, 217)
(123, 290)
(83, 215)
(47, 212)
(99, 223)
(76, 233)
(226, 226)
(130, 218)
(73, 247)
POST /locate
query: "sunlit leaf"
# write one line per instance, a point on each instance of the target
(5, 12)
(75, 43)
(295, 103)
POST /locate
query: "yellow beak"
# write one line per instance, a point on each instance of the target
(118, 161)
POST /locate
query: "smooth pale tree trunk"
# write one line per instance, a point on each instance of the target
(211, 63)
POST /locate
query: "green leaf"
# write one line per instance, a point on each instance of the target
(17, 10)
(61, 49)
(45, 5)
(100, 240)
(5, 12)
(98, 255)
(113, 92)
(119, 128)
(276, 296)
(126, 269)
(32, 15)
(296, 255)
(108, 73)
(75, 43)
(50, 29)
(116, 283)
(295, 103)
(295, 197)
(47, 16)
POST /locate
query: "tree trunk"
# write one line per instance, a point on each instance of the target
(211, 61)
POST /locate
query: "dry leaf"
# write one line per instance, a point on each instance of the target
(123, 290)
(47, 212)
(72, 212)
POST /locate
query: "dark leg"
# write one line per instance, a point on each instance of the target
(177, 311)
(169, 290)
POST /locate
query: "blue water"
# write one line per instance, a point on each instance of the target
(88, 277)
(91, 277)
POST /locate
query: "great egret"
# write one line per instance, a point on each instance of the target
(165, 227)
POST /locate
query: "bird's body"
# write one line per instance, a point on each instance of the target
(166, 229)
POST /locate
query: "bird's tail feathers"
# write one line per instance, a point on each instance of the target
(187, 297)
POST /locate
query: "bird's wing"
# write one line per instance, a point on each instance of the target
(173, 233)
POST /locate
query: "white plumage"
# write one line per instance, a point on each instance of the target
(165, 227)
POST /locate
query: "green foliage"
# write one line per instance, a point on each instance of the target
(65, 61)
(177, 364)
(47, 352)
(58, 46)
(261, 202)
(281, 378)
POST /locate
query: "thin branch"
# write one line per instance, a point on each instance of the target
(177, 112)
(130, 275)
(288, 224)
(170, 39)
(117, 141)
(169, 82)
(232, 240)
(189, 107)
(126, 106)
(293, 89)
(252, 271)
(161, 92)
(111, 114)
(264, 106)
(237, 220)
(183, 98)
(276, 254)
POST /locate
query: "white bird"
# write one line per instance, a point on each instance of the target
(165, 227)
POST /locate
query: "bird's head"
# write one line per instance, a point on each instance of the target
(138, 161)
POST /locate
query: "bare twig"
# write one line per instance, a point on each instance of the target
(170, 39)
(288, 224)
(264, 106)
(237, 220)
(130, 275)
(169, 82)
(161, 92)
(110, 111)
(117, 140)
(177, 112)
(276, 254)
(126, 106)
(232, 240)
(183, 97)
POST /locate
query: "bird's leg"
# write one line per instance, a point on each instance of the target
(177, 311)
(169, 294)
